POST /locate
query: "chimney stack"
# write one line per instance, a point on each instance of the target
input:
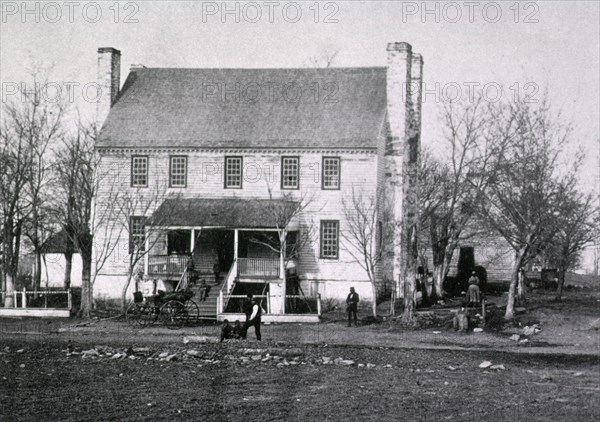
(109, 81)
(404, 75)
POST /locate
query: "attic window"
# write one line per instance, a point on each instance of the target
(233, 172)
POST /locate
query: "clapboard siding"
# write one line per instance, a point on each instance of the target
(360, 175)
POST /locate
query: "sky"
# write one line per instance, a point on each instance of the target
(524, 47)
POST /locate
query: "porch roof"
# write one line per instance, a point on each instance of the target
(229, 212)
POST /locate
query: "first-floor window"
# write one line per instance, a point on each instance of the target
(330, 231)
(137, 234)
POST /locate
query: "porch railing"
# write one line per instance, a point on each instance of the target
(163, 265)
(258, 267)
(47, 299)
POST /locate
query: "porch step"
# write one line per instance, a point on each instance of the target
(207, 307)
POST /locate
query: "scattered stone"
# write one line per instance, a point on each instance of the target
(172, 357)
(163, 355)
(515, 337)
(132, 357)
(256, 357)
(498, 367)
(478, 330)
(520, 311)
(22, 365)
(531, 330)
(20, 351)
(452, 368)
(387, 366)
(326, 359)
(252, 351)
(578, 374)
(485, 364)
(200, 339)
(524, 341)
(294, 351)
(361, 365)
(89, 353)
(194, 353)
(371, 365)
(140, 350)
(437, 332)
(346, 362)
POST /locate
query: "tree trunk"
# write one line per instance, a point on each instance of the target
(514, 280)
(374, 293)
(561, 283)
(37, 277)
(10, 287)
(408, 317)
(124, 292)
(68, 269)
(85, 309)
(439, 273)
(521, 288)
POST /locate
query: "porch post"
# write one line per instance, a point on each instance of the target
(146, 248)
(235, 244)
(193, 241)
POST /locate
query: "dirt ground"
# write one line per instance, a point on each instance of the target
(62, 370)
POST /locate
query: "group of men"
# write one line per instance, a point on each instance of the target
(253, 311)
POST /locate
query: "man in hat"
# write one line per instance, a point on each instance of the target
(352, 303)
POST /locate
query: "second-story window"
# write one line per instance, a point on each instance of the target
(178, 171)
(139, 171)
(233, 172)
(290, 172)
(330, 230)
(331, 173)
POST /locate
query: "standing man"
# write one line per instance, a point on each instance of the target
(247, 306)
(254, 320)
(352, 302)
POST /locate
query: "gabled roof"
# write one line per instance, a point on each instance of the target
(294, 108)
(230, 213)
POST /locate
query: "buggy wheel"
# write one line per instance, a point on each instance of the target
(192, 313)
(140, 315)
(172, 314)
(132, 315)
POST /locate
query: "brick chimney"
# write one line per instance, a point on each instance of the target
(404, 75)
(109, 81)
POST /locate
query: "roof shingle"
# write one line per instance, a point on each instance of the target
(232, 108)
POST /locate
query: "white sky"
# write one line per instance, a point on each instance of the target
(560, 50)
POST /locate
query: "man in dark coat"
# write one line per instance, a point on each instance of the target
(352, 303)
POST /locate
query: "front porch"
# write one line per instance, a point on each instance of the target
(234, 260)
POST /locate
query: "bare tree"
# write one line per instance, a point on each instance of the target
(575, 228)
(365, 233)
(451, 188)
(284, 211)
(91, 231)
(30, 124)
(527, 186)
(134, 212)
